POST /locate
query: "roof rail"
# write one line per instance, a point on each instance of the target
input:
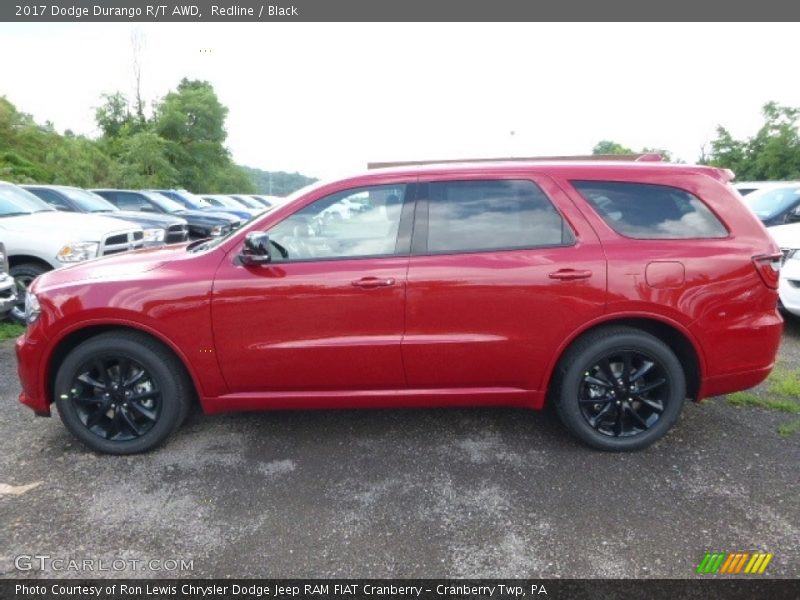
(593, 157)
(649, 157)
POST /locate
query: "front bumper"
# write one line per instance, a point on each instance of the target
(33, 394)
(8, 293)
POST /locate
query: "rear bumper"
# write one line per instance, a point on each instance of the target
(33, 394)
(734, 382)
(741, 355)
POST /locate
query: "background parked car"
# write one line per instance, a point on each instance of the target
(788, 238)
(158, 228)
(248, 202)
(8, 289)
(267, 201)
(192, 202)
(748, 187)
(223, 202)
(776, 204)
(201, 224)
(38, 238)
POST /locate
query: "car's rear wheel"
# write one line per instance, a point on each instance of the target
(620, 389)
(122, 393)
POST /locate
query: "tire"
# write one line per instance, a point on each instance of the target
(608, 396)
(140, 383)
(23, 275)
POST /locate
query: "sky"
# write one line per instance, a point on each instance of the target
(325, 99)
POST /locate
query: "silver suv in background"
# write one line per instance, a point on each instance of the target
(8, 289)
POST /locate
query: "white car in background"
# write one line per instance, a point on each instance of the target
(746, 187)
(38, 238)
(788, 238)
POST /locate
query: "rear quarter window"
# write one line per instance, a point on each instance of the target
(647, 211)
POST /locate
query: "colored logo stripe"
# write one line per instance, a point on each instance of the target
(733, 562)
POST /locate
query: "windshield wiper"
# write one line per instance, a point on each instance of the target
(14, 214)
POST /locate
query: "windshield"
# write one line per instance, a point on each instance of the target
(196, 201)
(228, 202)
(249, 202)
(167, 204)
(209, 244)
(768, 203)
(87, 201)
(16, 201)
(188, 199)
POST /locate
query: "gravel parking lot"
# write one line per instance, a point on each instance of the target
(415, 493)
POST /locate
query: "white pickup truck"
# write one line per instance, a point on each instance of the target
(39, 238)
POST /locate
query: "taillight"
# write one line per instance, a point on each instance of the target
(769, 267)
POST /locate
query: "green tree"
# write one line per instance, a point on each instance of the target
(609, 147)
(772, 154)
(193, 120)
(114, 116)
(277, 183)
(144, 163)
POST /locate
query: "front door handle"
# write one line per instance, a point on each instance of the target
(373, 282)
(570, 274)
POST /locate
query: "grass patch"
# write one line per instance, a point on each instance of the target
(790, 428)
(784, 383)
(782, 395)
(769, 403)
(9, 331)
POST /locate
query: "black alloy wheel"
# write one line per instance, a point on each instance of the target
(122, 392)
(624, 394)
(115, 398)
(619, 388)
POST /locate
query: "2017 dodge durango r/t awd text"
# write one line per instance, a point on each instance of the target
(613, 290)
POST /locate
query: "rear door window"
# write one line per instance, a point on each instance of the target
(471, 216)
(647, 211)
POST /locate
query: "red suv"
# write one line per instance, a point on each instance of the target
(613, 290)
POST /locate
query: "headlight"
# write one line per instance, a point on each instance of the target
(215, 231)
(77, 251)
(154, 235)
(32, 308)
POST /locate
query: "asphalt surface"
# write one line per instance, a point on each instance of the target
(416, 493)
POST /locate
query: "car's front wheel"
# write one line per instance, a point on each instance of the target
(23, 275)
(122, 393)
(620, 389)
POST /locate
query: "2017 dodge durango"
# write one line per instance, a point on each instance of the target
(613, 290)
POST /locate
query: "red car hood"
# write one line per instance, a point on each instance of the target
(119, 266)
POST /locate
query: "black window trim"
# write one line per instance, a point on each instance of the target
(710, 209)
(419, 241)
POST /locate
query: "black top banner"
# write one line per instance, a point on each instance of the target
(400, 10)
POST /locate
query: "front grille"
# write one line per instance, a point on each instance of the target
(121, 242)
(177, 233)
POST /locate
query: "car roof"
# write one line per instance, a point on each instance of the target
(569, 168)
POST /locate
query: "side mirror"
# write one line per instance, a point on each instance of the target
(256, 250)
(147, 208)
(793, 216)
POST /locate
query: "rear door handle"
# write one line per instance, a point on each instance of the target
(373, 282)
(570, 274)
